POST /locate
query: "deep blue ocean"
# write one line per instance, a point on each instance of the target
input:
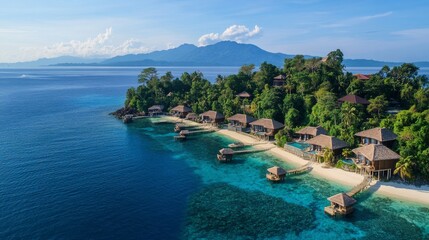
(68, 170)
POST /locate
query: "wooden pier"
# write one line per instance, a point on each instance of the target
(240, 145)
(179, 127)
(185, 133)
(342, 203)
(252, 150)
(304, 168)
(163, 122)
(225, 154)
(189, 132)
(361, 187)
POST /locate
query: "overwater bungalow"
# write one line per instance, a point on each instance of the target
(354, 99)
(240, 122)
(180, 111)
(156, 110)
(212, 117)
(191, 116)
(322, 141)
(377, 136)
(310, 132)
(266, 128)
(276, 174)
(361, 76)
(225, 154)
(341, 204)
(376, 159)
(279, 80)
(182, 135)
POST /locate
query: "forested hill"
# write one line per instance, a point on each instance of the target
(308, 97)
(226, 53)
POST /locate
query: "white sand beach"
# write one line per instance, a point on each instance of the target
(395, 190)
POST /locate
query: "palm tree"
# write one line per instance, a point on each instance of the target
(328, 156)
(346, 152)
(404, 168)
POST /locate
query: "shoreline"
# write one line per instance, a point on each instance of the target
(395, 190)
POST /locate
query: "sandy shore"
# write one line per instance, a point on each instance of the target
(395, 190)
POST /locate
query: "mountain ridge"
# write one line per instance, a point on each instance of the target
(225, 53)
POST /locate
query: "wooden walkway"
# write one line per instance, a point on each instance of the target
(188, 132)
(301, 169)
(252, 150)
(362, 186)
(233, 145)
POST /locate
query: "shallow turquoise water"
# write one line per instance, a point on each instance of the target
(304, 193)
(68, 170)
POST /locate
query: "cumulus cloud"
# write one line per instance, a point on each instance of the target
(99, 45)
(238, 33)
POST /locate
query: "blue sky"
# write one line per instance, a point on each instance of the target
(384, 30)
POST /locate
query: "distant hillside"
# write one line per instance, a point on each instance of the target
(52, 61)
(224, 53)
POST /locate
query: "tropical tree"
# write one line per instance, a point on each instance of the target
(147, 74)
(378, 105)
(328, 156)
(346, 152)
(404, 168)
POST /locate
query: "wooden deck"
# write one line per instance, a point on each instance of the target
(301, 169)
(355, 190)
(252, 150)
(198, 131)
(362, 186)
(233, 145)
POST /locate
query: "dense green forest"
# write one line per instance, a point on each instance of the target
(309, 97)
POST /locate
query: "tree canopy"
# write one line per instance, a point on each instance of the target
(308, 97)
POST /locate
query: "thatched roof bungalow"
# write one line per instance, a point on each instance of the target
(156, 110)
(275, 174)
(351, 98)
(266, 127)
(225, 154)
(212, 117)
(361, 76)
(377, 159)
(279, 80)
(310, 132)
(180, 111)
(240, 121)
(191, 116)
(377, 136)
(319, 142)
(341, 203)
(354, 99)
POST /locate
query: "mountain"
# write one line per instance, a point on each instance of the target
(226, 53)
(53, 61)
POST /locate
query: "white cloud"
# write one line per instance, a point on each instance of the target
(238, 33)
(356, 20)
(419, 33)
(100, 46)
(381, 15)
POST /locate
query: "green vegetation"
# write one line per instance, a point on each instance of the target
(308, 97)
